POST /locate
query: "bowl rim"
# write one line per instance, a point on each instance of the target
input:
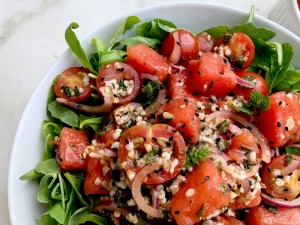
(37, 89)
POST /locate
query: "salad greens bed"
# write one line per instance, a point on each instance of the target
(62, 192)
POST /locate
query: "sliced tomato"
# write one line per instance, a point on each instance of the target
(105, 136)
(260, 215)
(142, 141)
(177, 83)
(280, 185)
(206, 42)
(181, 114)
(96, 180)
(120, 81)
(146, 60)
(74, 84)
(210, 75)
(71, 145)
(180, 45)
(204, 192)
(258, 82)
(241, 49)
(281, 122)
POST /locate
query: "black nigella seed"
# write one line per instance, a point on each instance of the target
(278, 124)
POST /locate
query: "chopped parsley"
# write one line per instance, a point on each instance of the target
(195, 155)
(149, 93)
(151, 154)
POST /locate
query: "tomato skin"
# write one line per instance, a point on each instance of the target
(93, 173)
(146, 60)
(293, 186)
(210, 75)
(71, 78)
(241, 46)
(233, 221)
(119, 71)
(177, 83)
(184, 119)
(149, 133)
(206, 180)
(260, 85)
(106, 138)
(71, 145)
(261, 216)
(189, 47)
(281, 122)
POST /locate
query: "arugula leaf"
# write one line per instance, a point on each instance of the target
(151, 42)
(258, 100)
(156, 28)
(57, 213)
(195, 155)
(76, 48)
(64, 114)
(217, 31)
(93, 122)
(127, 24)
(111, 56)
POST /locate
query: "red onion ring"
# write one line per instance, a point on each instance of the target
(221, 160)
(137, 194)
(280, 202)
(265, 148)
(162, 94)
(148, 76)
(154, 195)
(101, 109)
(175, 55)
(245, 83)
(292, 166)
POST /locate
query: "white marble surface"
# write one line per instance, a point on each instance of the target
(32, 38)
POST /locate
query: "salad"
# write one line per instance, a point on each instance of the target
(173, 126)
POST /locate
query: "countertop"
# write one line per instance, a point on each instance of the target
(31, 40)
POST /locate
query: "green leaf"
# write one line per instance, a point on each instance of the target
(64, 114)
(195, 155)
(45, 188)
(151, 154)
(46, 220)
(47, 166)
(94, 123)
(127, 24)
(50, 130)
(76, 182)
(76, 48)
(151, 42)
(246, 108)
(100, 44)
(111, 56)
(57, 213)
(31, 175)
(217, 31)
(258, 100)
(99, 220)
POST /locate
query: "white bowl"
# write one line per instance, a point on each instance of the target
(287, 14)
(28, 143)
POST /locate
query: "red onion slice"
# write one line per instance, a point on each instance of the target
(265, 148)
(110, 206)
(137, 194)
(175, 55)
(280, 202)
(101, 109)
(148, 76)
(154, 195)
(245, 83)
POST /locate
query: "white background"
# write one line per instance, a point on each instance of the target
(32, 38)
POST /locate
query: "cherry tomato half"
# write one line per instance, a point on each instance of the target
(210, 75)
(141, 144)
(277, 185)
(259, 84)
(74, 84)
(180, 45)
(206, 42)
(240, 51)
(120, 81)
